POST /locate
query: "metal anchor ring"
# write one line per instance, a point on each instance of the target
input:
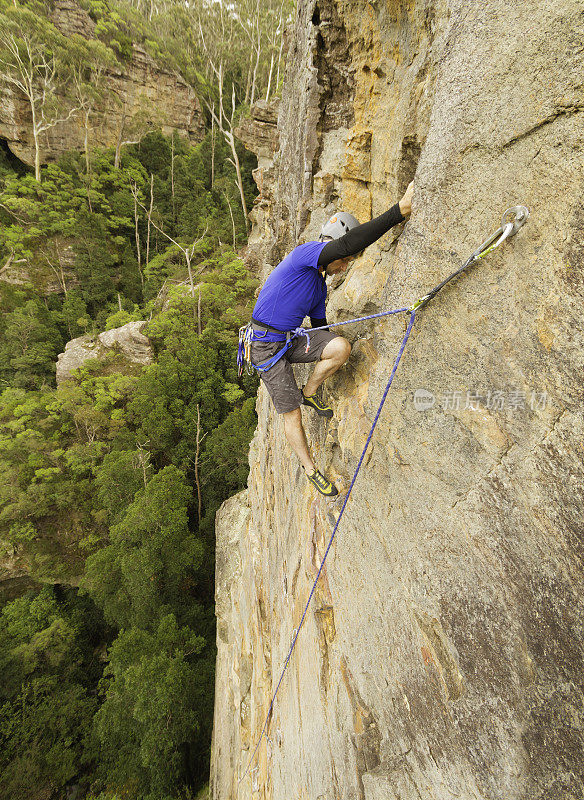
(519, 214)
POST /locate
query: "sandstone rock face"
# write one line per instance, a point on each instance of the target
(128, 341)
(77, 351)
(442, 653)
(259, 133)
(140, 87)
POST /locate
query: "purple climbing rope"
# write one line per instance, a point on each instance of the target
(307, 332)
(246, 336)
(358, 319)
(377, 415)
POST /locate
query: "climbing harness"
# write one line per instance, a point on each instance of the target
(247, 335)
(513, 219)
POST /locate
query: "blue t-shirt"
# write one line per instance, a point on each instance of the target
(295, 289)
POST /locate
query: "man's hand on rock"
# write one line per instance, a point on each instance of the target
(405, 204)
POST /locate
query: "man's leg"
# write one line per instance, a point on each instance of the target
(282, 387)
(297, 438)
(332, 358)
(285, 394)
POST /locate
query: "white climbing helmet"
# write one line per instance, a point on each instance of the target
(339, 224)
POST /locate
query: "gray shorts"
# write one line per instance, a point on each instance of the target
(279, 380)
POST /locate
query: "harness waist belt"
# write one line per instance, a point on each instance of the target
(268, 327)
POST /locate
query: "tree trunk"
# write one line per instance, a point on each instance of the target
(119, 141)
(231, 141)
(172, 177)
(232, 219)
(61, 272)
(188, 259)
(149, 218)
(37, 152)
(270, 77)
(87, 160)
(258, 49)
(212, 149)
(249, 73)
(137, 236)
(143, 461)
(117, 155)
(279, 60)
(7, 263)
(198, 444)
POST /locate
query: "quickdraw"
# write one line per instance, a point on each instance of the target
(247, 335)
(509, 227)
(244, 349)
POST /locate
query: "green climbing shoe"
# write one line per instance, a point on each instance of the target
(317, 405)
(323, 484)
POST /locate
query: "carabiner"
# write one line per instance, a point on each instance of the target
(419, 303)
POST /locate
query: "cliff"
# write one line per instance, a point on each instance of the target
(138, 93)
(442, 653)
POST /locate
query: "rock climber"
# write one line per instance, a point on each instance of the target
(296, 289)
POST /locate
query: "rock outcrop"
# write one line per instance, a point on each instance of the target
(259, 133)
(138, 93)
(127, 343)
(442, 654)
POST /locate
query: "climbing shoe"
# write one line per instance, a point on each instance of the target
(323, 484)
(317, 405)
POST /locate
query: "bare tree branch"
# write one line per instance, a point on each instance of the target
(187, 251)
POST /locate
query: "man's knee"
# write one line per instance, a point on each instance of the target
(346, 348)
(292, 418)
(338, 349)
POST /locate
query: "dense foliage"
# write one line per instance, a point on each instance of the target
(49, 660)
(101, 471)
(112, 480)
(109, 483)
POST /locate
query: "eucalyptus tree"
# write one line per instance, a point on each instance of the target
(188, 250)
(89, 61)
(230, 52)
(262, 24)
(34, 63)
(218, 36)
(243, 45)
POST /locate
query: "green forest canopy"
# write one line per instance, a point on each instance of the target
(109, 483)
